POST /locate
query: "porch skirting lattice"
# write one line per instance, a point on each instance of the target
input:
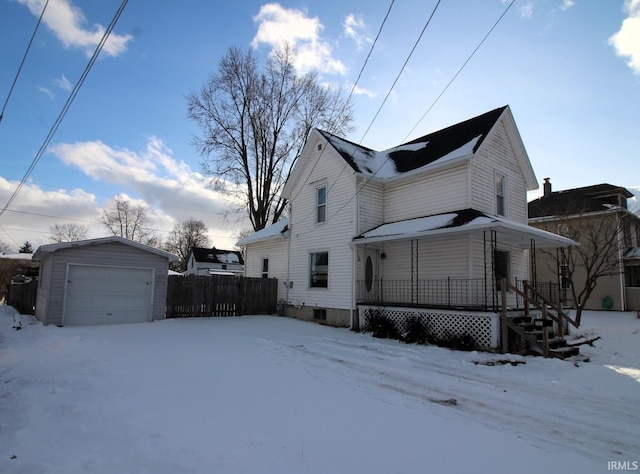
(484, 327)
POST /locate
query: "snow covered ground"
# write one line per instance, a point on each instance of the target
(265, 394)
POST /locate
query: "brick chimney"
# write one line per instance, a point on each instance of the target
(546, 187)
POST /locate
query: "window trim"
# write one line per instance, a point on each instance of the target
(265, 273)
(500, 196)
(321, 205)
(311, 272)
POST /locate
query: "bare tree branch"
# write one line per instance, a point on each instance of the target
(253, 124)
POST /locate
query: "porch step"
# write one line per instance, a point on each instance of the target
(564, 352)
(520, 320)
(557, 342)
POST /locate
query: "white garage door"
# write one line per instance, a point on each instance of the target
(107, 295)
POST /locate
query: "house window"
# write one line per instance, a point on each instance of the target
(319, 270)
(500, 194)
(321, 204)
(632, 276)
(320, 314)
(224, 266)
(265, 268)
(501, 267)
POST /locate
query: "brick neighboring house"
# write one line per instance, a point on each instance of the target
(605, 206)
(204, 261)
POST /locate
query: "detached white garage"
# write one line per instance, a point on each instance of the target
(111, 280)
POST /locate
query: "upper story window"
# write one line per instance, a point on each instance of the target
(321, 204)
(500, 194)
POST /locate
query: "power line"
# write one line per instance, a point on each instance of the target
(370, 178)
(24, 57)
(460, 70)
(353, 88)
(66, 107)
(401, 69)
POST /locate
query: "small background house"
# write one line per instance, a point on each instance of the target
(108, 280)
(204, 261)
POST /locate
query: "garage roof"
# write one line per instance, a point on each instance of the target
(51, 248)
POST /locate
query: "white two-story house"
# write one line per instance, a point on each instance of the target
(432, 225)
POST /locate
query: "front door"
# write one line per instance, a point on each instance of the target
(368, 282)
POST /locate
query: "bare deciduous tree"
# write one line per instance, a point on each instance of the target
(596, 257)
(187, 234)
(127, 219)
(254, 124)
(67, 232)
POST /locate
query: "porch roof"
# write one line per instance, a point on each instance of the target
(465, 221)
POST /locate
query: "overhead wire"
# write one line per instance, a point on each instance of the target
(66, 106)
(372, 176)
(24, 58)
(459, 70)
(353, 88)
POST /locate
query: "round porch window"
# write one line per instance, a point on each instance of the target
(368, 273)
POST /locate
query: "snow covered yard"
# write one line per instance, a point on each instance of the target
(275, 395)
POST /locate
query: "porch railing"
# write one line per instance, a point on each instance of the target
(474, 293)
(444, 293)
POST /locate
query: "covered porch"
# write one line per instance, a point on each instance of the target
(448, 268)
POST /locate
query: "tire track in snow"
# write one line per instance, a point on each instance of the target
(539, 414)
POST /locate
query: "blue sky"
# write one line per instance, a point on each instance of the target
(569, 69)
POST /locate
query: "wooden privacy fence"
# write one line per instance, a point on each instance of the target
(220, 295)
(22, 296)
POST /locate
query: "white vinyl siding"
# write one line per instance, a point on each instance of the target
(370, 205)
(497, 157)
(425, 195)
(334, 235)
(276, 252)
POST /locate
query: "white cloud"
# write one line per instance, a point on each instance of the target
(362, 91)
(526, 9)
(35, 210)
(355, 29)
(63, 83)
(278, 26)
(566, 4)
(69, 25)
(626, 41)
(46, 91)
(170, 189)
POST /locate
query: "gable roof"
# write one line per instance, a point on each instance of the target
(443, 147)
(215, 255)
(595, 198)
(461, 139)
(51, 248)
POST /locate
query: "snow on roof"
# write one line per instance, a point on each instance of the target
(51, 248)
(230, 257)
(457, 141)
(16, 256)
(460, 221)
(274, 231)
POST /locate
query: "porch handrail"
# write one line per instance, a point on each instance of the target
(560, 317)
